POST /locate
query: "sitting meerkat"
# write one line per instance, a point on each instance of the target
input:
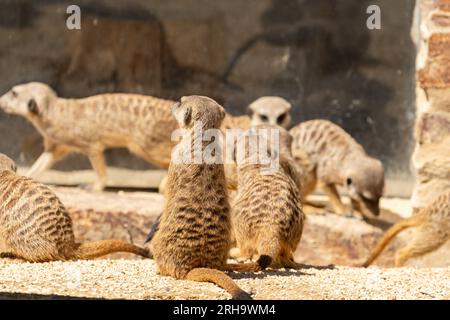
(338, 159)
(267, 216)
(192, 239)
(143, 124)
(433, 230)
(270, 110)
(36, 227)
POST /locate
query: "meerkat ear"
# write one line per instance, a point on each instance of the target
(33, 107)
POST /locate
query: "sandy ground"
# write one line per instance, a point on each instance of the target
(137, 279)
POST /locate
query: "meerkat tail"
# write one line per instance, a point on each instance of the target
(219, 278)
(101, 248)
(390, 234)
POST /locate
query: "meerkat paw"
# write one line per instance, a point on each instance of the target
(96, 187)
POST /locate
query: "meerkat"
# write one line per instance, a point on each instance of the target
(270, 110)
(36, 227)
(338, 159)
(143, 124)
(264, 110)
(267, 216)
(192, 240)
(433, 230)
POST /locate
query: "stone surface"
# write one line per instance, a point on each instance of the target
(431, 156)
(327, 238)
(137, 279)
(111, 215)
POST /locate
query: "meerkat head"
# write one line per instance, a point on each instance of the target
(192, 109)
(364, 182)
(271, 110)
(27, 100)
(7, 163)
(248, 149)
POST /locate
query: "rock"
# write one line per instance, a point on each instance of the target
(431, 156)
(327, 238)
(111, 215)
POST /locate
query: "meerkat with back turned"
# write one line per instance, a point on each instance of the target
(269, 110)
(265, 110)
(432, 231)
(193, 237)
(36, 227)
(339, 160)
(267, 216)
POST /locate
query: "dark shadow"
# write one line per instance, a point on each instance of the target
(17, 14)
(33, 296)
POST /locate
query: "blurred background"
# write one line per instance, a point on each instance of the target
(318, 54)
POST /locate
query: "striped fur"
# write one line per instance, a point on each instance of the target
(337, 159)
(267, 214)
(35, 225)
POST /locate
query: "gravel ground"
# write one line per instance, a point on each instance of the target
(137, 279)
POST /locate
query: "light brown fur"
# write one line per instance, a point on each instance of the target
(433, 230)
(35, 226)
(265, 110)
(337, 159)
(193, 238)
(271, 110)
(267, 214)
(143, 124)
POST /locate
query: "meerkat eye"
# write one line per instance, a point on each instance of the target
(349, 181)
(32, 106)
(263, 117)
(14, 94)
(281, 118)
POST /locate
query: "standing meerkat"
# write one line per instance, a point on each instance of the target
(339, 160)
(267, 214)
(36, 227)
(433, 230)
(143, 124)
(193, 237)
